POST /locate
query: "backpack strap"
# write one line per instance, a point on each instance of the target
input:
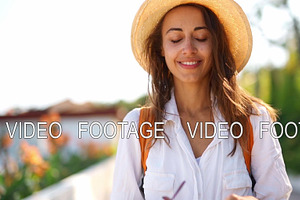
(145, 143)
(145, 116)
(247, 152)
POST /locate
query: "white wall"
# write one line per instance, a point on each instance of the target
(94, 183)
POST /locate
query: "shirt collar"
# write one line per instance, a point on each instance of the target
(171, 112)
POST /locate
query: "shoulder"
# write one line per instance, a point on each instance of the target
(261, 114)
(261, 122)
(129, 127)
(133, 115)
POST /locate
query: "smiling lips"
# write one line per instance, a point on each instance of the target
(189, 64)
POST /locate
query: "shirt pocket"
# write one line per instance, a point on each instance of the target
(157, 185)
(238, 182)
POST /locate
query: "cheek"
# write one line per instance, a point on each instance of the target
(170, 58)
(206, 50)
(169, 52)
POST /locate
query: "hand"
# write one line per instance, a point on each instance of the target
(237, 197)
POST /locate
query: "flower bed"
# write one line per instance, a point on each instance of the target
(33, 172)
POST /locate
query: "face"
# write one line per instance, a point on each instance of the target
(187, 45)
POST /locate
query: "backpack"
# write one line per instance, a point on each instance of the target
(145, 143)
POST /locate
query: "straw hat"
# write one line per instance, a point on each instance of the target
(229, 13)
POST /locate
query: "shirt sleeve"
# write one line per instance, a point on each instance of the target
(128, 172)
(267, 164)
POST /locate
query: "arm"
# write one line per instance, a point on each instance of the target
(128, 170)
(267, 163)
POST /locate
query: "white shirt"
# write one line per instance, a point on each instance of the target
(215, 177)
(198, 160)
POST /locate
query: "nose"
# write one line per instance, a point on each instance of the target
(189, 47)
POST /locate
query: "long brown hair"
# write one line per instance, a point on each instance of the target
(233, 102)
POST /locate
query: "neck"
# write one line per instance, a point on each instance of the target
(192, 98)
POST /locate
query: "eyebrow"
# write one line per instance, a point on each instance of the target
(180, 29)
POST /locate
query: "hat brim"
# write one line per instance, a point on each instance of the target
(229, 13)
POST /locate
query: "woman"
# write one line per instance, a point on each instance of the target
(193, 52)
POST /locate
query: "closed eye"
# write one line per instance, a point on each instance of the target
(175, 41)
(201, 40)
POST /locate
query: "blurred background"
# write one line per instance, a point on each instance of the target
(71, 61)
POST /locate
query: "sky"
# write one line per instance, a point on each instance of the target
(51, 51)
